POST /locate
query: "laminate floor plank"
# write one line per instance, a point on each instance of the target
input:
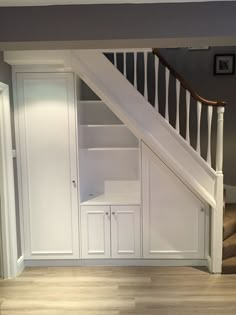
(118, 291)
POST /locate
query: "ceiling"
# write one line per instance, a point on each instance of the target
(8, 3)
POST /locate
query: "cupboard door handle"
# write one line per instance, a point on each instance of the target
(107, 213)
(74, 183)
(113, 213)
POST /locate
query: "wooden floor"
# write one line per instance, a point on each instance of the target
(118, 290)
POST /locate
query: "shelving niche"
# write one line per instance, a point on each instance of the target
(109, 154)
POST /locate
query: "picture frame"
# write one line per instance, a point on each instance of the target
(224, 64)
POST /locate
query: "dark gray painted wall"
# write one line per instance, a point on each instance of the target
(5, 71)
(127, 25)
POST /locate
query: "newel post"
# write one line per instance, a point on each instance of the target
(217, 213)
(219, 142)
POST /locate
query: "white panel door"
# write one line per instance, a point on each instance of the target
(95, 231)
(173, 220)
(125, 231)
(47, 135)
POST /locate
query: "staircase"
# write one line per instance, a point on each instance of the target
(131, 84)
(229, 236)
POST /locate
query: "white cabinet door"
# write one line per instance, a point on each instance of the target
(173, 220)
(47, 136)
(95, 231)
(125, 231)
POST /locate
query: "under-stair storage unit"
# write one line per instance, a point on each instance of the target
(99, 178)
(110, 231)
(47, 161)
(173, 217)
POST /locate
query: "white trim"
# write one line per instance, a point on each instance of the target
(18, 162)
(209, 263)
(7, 192)
(20, 265)
(117, 262)
(13, 3)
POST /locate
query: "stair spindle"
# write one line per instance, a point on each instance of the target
(199, 111)
(145, 75)
(188, 99)
(156, 61)
(135, 70)
(115, 59)
(124, 65)
(167, 77)
(209, 122)
(177, 104)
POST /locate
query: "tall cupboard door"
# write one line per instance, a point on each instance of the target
(47, 137)
(173, 217)
(95, 231)
(125, 231)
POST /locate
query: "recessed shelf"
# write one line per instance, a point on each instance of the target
(109, 151)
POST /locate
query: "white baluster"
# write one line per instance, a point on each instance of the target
(187, 115)
(167, 73)
(177, 104)
(219, 141)
(115, 59)
(124, 65)
(156, 61)
(209, 121)
(135, 70)
(199, 110)
(145, 75)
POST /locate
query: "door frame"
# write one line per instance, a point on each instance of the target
(7, 190)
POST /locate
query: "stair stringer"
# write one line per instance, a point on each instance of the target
(145, 122)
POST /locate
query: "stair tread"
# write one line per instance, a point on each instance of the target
(230, 241)
(229, 226)
(230, 261)
(229, 265)
(229, 247)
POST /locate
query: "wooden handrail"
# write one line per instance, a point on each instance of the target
(185, 84)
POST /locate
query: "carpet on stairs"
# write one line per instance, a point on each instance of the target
(229, 243)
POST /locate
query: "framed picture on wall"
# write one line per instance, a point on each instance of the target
(224, 64)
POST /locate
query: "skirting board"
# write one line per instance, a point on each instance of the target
(120, 262)
(20, 265)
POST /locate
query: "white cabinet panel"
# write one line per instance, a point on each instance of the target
(173, 220)
(47, 134)
(95, 231)
(125, 231)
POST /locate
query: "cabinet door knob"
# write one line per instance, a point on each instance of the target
(113, 213)
(107, 213)
(74, 183)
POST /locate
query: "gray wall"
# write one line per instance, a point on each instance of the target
(197, 68)
(5, 77)
(5, 71)
(107, 26)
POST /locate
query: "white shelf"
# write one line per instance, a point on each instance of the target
(103, 126)
(113, 200)
(111, 149)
